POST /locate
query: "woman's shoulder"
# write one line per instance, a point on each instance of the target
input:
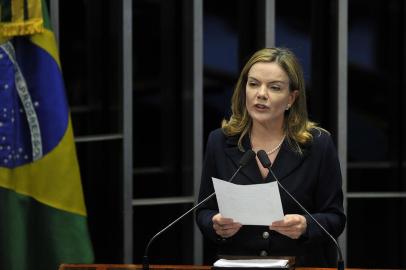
(321, 137)
(218, 137)
(218, 132)
(320, 133)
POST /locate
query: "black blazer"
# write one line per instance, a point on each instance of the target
(313, 178)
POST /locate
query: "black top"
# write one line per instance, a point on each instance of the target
(313, 178)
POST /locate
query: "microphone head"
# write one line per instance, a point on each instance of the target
(247, 157)
(264, 159)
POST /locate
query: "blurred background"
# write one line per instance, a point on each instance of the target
(147, 80)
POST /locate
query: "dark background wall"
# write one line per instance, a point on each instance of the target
(89, 37)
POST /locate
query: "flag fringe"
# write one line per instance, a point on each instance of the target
(34, 26)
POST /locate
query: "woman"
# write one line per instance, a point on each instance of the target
(269, 112)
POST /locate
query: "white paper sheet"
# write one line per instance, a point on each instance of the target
(268, 263)
(258, 204)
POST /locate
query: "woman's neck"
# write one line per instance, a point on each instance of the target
(268, 138)
(266, 132)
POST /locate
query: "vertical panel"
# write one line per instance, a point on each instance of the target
(163, 109)
(266, 23)
(342, 60)
(269, 23)
(127, 131)
(54, 12)
(90, 35)
(403, 108)
(197, 115)
(375, 89)
(193, 95)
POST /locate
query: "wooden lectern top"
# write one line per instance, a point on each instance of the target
(159, 267)
(129, 267)
(136, 267)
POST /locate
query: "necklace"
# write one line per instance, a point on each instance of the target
(277, 147)
(270, 152)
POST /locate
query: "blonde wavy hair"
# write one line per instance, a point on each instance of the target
(296, 125)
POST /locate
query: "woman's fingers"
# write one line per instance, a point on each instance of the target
(292, 226)
(225, 227)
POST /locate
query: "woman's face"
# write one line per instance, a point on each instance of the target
(267, 93)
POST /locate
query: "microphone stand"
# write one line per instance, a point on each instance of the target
(244, 160)
(145, 261)
(263, 158)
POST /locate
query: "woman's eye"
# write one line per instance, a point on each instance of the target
(252, 84)
(275, 88)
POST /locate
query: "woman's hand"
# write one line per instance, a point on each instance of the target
(225, 227)
(292, 226)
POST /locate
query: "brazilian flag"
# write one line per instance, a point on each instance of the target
(43, 219)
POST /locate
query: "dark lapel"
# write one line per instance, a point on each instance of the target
(287, 160)
(251, 170)
(285, 163)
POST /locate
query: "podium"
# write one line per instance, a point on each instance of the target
(129, 267)
(163, 267)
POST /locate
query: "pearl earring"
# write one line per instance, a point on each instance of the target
(288, 107)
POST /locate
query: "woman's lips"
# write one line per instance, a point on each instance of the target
(261, 106)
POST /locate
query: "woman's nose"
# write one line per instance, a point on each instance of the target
(262, 93)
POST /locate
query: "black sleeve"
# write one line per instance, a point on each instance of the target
(328, 196)
(205, 213)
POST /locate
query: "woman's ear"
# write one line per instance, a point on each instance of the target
(292, 97)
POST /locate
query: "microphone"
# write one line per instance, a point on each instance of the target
(247, 157)
(266, 163)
